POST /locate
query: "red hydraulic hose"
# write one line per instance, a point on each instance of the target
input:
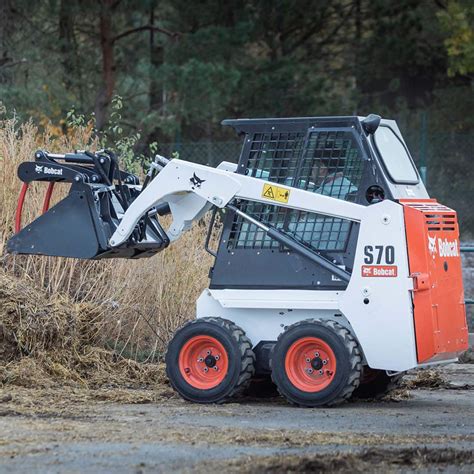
(19, 207)
(47, 197)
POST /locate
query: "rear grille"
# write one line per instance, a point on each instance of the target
(445, 222)
(437, 216)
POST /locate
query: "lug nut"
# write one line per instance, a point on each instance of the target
(325, 361)
(321, 372)
(205, 369)
(310, 371)
(308, 359)
(316, 354)
(217, 357)
(208, 352)
(216, 368)
(200, 359)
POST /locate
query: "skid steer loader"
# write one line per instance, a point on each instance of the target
(335, 271)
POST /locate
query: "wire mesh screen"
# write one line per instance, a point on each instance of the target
(275, 156)
(245, 235)
(332, 164)
(318, 232)
(327, 162)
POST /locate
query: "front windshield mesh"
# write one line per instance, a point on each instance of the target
(395, 156)
(328, 162)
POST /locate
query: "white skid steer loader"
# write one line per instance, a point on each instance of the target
(335, 272)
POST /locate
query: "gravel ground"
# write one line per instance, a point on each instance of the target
(69, 430)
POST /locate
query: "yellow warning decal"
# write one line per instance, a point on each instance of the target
(275, 193)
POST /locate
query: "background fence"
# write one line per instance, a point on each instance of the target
(445, 162)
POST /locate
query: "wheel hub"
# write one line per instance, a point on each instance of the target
(317, 363)
(210, 361)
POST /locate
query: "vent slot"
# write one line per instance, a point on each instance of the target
(438, 222)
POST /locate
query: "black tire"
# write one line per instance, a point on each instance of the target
(376, 384)
(240, 357)
(346, 376)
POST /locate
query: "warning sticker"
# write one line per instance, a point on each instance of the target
(275, 193)
(379, 271)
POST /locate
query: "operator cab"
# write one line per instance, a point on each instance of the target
(359, 159)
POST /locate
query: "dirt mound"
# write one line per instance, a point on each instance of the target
(371, 460)
(48, 339)
(427, 379)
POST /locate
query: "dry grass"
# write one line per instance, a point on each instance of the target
(44, 340)
(122, 309)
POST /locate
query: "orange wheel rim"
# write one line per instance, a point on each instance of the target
(203, 362)
(310, 364)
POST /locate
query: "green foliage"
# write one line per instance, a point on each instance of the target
(181, 67)
(458, 23)
(114, 137)
(75, 119)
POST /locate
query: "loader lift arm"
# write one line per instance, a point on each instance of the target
(191, 190)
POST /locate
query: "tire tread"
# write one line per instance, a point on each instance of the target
(355, 358)
(247, 355)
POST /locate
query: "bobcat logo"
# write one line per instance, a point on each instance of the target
(39, 169)
(196, 181)
(366, 271)
(432, 245)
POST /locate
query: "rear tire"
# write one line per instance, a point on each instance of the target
(376, 384)
(316, 363)
(210, 360)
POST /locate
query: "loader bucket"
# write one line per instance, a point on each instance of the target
(70, 229)
(81, 224)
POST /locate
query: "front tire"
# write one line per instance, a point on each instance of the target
(210, 360)
(316, 363)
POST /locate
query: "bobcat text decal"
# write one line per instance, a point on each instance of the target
(443, 247)
(44, 169)
(379, 270)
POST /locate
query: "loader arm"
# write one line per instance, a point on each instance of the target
(191, 190)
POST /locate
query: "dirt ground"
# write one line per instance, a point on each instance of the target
(426, 426)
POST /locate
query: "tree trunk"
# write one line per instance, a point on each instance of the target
(66, 41)
(156, 92)
(69, 54)
(106, 91)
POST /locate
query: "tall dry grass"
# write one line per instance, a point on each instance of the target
(138, 303)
